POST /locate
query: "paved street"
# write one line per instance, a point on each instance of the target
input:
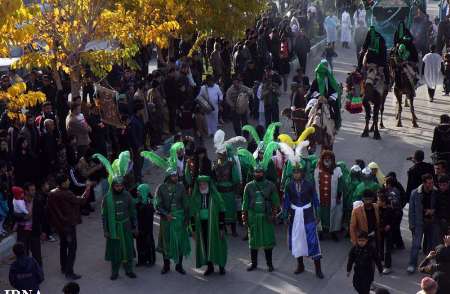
(390, 153)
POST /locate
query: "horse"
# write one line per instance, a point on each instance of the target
(405, 78)
(375, 92)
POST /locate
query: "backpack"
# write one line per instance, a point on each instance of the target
(242, 103)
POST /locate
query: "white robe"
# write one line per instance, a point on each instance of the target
(346, 27)
(212, 119)
(359, 16)
(330, 25)
(432, 71)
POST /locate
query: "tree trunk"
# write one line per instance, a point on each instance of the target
(57, 79)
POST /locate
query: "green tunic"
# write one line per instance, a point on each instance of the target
(227, 180)
(216, 251)
(260, 200)
(351, 188)
(118, 210)
(173, 240)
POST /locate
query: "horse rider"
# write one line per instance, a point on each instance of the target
(405, 51)
(325, 90)
(374, 55)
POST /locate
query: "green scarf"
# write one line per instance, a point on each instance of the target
(374, 41)
(323, 72)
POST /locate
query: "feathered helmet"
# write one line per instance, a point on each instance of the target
(267, 139)
(169, 165)
(118, 169)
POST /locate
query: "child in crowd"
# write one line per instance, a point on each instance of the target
(386, 224)
(25, 273)
(18, 201)
(144, 240)
(446, 73)
(364, 257)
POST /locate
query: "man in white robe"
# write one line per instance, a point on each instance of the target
(432, 70)
(346, 29)
(359, 17)
(330, 24)
(215, 97)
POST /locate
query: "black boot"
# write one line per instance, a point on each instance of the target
(318, 266)
(268, 253)
(179, 267)
(221, 270)
(166, 267)
(300, 266)
(254, 259)
(209, 270)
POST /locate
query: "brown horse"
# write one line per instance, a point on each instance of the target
(404, 76)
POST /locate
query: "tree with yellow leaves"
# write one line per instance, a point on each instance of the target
(56, 34)
(19, 101)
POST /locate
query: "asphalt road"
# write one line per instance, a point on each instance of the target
(390, 153)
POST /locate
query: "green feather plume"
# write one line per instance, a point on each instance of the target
(246, 157)
(103, 160)
(124, 162)
(268, 153)
(252, 131)
(155, 159)
(173, 153)
(270, 132)
(115, 167)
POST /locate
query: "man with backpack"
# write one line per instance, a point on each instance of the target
(237, 98)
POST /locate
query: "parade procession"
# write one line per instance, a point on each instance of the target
(248, 146)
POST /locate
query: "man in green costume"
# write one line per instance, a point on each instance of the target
(260, 205)
(119, 224)
(208, 211)
(367, 183)
(171, 203)
(227, 180)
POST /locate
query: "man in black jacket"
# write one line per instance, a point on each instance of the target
(302, 48)
(443, 204)
(25, 273)
(441, 139)
(416, 172)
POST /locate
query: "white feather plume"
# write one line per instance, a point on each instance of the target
(301, 150)
(219, 141)
(235, 140)
(289, 152)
